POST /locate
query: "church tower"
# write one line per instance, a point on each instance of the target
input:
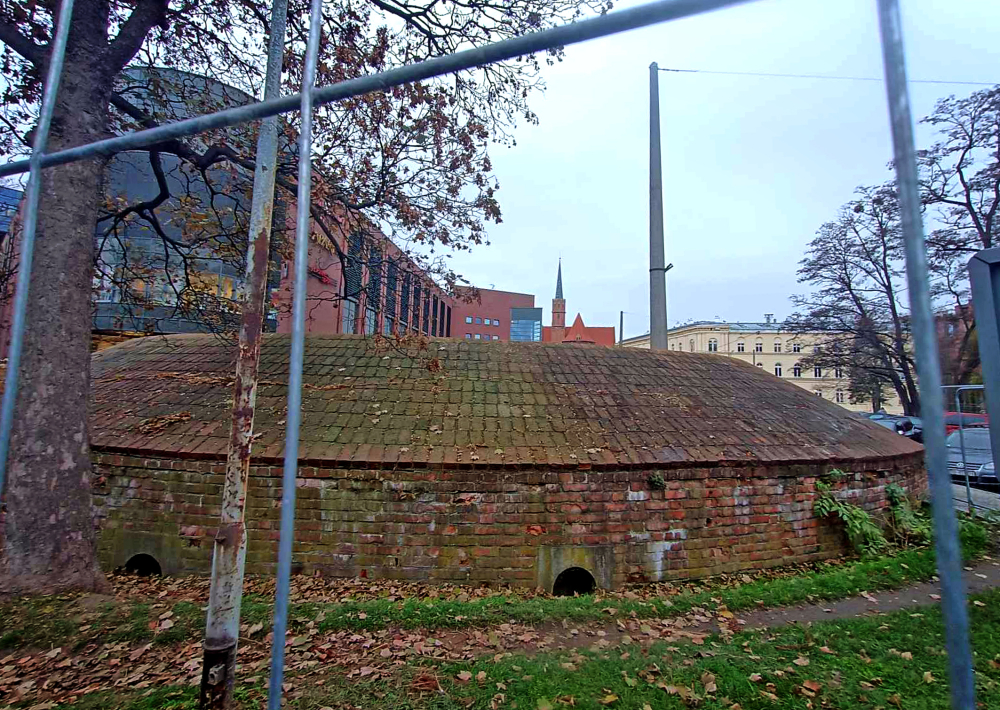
(559, 303)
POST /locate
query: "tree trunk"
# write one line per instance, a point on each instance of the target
(49, 540)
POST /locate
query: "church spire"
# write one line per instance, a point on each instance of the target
(559, 281)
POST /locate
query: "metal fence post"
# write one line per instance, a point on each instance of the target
(229, 554)
(290, 473)
(984, 276)
(28, 233)
(949, 556)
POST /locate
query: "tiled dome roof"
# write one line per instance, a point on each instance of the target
(459, 403)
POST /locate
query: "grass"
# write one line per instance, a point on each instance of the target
(46, 622)
(890, 661)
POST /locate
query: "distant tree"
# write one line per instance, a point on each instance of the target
(413, 159)
(960, 181)
(858, 303)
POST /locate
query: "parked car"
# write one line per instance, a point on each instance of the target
(953, 421)
(978, 461)
(910, 427)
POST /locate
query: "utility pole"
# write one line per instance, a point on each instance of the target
(657, 270)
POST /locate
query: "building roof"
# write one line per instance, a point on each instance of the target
(559, 291)
(461, 403)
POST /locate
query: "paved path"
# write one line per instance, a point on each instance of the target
(980, 499)
(985, 575)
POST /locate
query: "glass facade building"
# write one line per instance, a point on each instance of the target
(526, 324)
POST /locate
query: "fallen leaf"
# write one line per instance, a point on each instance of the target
(801, 661)
(812, 685)
(756, 677)
(928, 677)
(543, 704)
(464, 676)
(608, 699)
(708, 680)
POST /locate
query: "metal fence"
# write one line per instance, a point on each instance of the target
(945, 523)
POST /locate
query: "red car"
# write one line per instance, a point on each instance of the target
(953, 421)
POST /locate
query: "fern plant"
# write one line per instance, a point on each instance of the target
(906, 525)
(864, 535)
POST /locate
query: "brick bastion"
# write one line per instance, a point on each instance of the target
(457, 461)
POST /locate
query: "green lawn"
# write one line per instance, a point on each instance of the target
(890, 661)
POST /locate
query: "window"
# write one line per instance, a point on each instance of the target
(468, 336)
(671, 346)
(479, 321)
(839, 397)
(838, 372)
(758, 347)
(816, 348)
(817, 372)
(468, 319)
(391, 279)
(760, 364)
(416, 308)
(691, 344)
(713, 345)
(349, 315)
(818, 393)
(447, 319)
(740, 346)
(427, 314)
(797, 371)
(478, 336)
(496, 322)
(796, 348)
(777, 345)
(526, 324)
(496, 337)
(680, 346)
(404, 302)
(777, 369)
(434, 316)
(386, 325)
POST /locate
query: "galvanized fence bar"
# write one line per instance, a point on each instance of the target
(225, 598)
(949, 559)
(35, 164)
(564, 35)
(297, 352)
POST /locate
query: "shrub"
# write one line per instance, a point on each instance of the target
(864, 535)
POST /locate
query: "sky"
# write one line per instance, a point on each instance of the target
(752, 166)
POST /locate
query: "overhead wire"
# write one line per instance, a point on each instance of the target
(834, 77)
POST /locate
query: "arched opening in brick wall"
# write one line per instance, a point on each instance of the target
(575, 580)
(143, 565)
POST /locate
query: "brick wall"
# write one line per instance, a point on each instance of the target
(488, 525)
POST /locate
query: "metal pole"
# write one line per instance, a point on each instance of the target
(228, 559)
(58, 55)
(290, 473)
(621, 327)
(949, 556)
(657, 272)
(961, 441)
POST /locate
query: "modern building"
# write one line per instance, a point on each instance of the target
(771, 347)
(9, 200)
(486, 314)
(578, 332)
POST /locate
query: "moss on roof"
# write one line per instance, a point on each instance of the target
(455, 402)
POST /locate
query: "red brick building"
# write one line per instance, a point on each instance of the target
(485, 314)
(359, 282)
(466, 462)
(578, 332)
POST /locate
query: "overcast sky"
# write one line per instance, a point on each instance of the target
(752, 166)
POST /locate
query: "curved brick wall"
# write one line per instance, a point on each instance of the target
(491, 524)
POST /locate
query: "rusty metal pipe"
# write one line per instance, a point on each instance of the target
(229, 554)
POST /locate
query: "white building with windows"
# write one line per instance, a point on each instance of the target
(772, 348)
